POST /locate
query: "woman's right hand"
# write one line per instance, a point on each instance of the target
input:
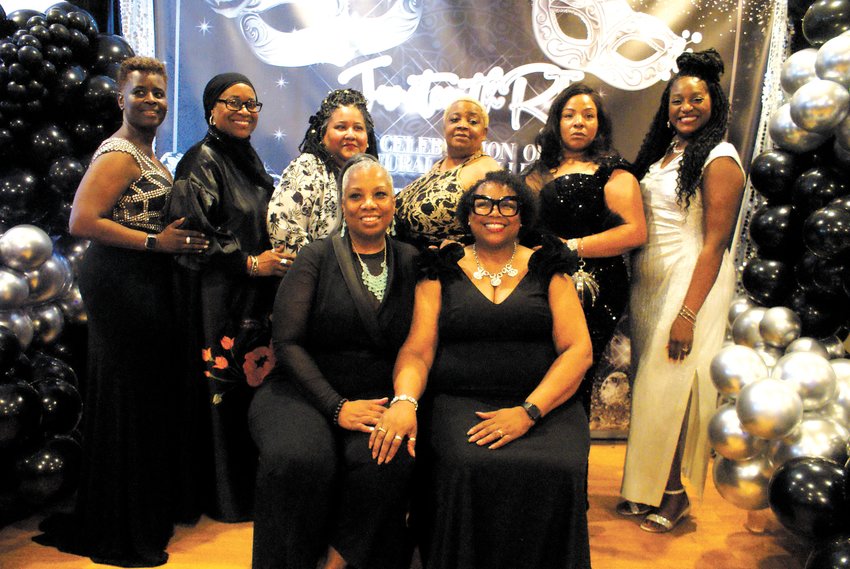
(361, 414)
(172, 239)
(274, 262)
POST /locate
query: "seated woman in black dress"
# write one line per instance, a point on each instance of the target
(340, 317)
(592, 202)
(505, 441)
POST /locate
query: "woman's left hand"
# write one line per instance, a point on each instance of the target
(397, 422)
(500, 427)
(681, 339)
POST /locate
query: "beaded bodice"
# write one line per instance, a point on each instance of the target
(141, 206)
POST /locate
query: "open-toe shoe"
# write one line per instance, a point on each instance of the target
(657, 523)
(630, 509)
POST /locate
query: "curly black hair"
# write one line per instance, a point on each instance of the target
(527, 203)
(707, 66)
(312, 143)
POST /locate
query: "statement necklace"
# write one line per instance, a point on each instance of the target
(376, 284)
(496, 279)
(675, 149)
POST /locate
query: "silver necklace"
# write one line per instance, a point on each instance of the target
(496, 279)
(376, 284)
(674, 147)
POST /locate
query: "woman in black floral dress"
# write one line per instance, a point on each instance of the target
(590, 200)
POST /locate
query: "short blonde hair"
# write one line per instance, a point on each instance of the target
(472, 100)
(141, 64)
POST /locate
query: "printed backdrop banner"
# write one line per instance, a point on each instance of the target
(413, 57)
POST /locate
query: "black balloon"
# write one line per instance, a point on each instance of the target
(807, 496)
(110, 49)
(56, 15)
(17, 187)
(20, 17)
(797, 8)
(826, 19)
(20, 370)
(48, 143)
(79, 41)
(826, 232)
(832, 555)
(101, 93)
(19, 126)
(775, 231)
(842, 203)
(49, 472)
(767, 281)
(772, 175)
(10, 349)
(60, 33)
(821, 315)
(30, 56)
(20, 413)
(817, 187)
(68, 84)
(821, 275)
(61, 406)
(40, 31)
(64, 176)
(8, 52)
(46, 367)
(7, 142)
(27, 39)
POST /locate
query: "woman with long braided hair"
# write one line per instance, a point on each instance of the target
(305, 205)
(682, 282)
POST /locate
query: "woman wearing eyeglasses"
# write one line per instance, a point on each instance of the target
(503, 440)
(222, 189)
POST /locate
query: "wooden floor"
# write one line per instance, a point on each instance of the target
(715, 537)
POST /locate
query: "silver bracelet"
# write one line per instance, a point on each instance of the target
(407, 398)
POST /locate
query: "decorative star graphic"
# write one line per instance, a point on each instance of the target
(279, 135)
(281, 83)
(204, 26)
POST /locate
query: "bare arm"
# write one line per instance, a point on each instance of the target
(410, 375)
(622, 196)
(722, 189)
(575, 355)
(102, 186)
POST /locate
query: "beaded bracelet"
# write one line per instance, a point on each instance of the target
(255, 266)
(339, 409)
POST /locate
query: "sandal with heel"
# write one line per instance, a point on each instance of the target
(631, 509)
(656, 523)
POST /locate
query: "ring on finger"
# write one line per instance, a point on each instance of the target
(501, 434)
(383, 430)
(188, 241)
(398, 437)
(412, 439)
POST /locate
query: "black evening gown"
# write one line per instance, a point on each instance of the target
(523, 505)
(317, 483)
(573, 206)
(124, 513)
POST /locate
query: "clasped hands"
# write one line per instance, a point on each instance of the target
(388, 427)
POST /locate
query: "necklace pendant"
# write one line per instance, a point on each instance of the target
(495, 280)
(478, 275)
(511, 272)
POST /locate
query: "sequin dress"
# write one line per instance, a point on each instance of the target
(573, 206)
(124, 512)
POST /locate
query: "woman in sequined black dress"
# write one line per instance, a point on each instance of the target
(591, 201)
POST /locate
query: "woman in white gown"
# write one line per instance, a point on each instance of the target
(683, 282)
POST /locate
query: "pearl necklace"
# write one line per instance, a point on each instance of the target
(376, 284)
(496, 279)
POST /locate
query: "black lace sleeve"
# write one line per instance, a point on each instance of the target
(552, 257)
(434, 263)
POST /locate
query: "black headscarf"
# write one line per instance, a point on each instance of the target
(239, 149)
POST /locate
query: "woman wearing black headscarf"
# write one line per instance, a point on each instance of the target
(222, 189)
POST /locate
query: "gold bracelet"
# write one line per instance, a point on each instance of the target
(687, 318)
(255, 266)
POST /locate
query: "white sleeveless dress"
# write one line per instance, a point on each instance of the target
(661, 274)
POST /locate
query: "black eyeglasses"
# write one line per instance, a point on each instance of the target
(236, 104)
(508, 206)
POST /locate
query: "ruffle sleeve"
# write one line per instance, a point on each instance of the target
(552, 257)
(433, 263)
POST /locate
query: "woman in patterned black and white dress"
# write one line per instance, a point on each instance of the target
(305, 205)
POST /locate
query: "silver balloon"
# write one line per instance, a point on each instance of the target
(74, 254)
(737, 307)
(819, 105)
(810, 374)
(834, 347)
(735, 366)
(786, 134)
(835, 411)
(815, 436)
(769, 354)
(833, 60)
(841, 367)
(13, 289)
(780, 326)
(806, 344)
(49, 280)
(18, 322)
(745, 329)
(798, 69)
(47, 321)
(729, 439)
(72, 306)
(769, 408)
(743, 483)
(25, 247)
